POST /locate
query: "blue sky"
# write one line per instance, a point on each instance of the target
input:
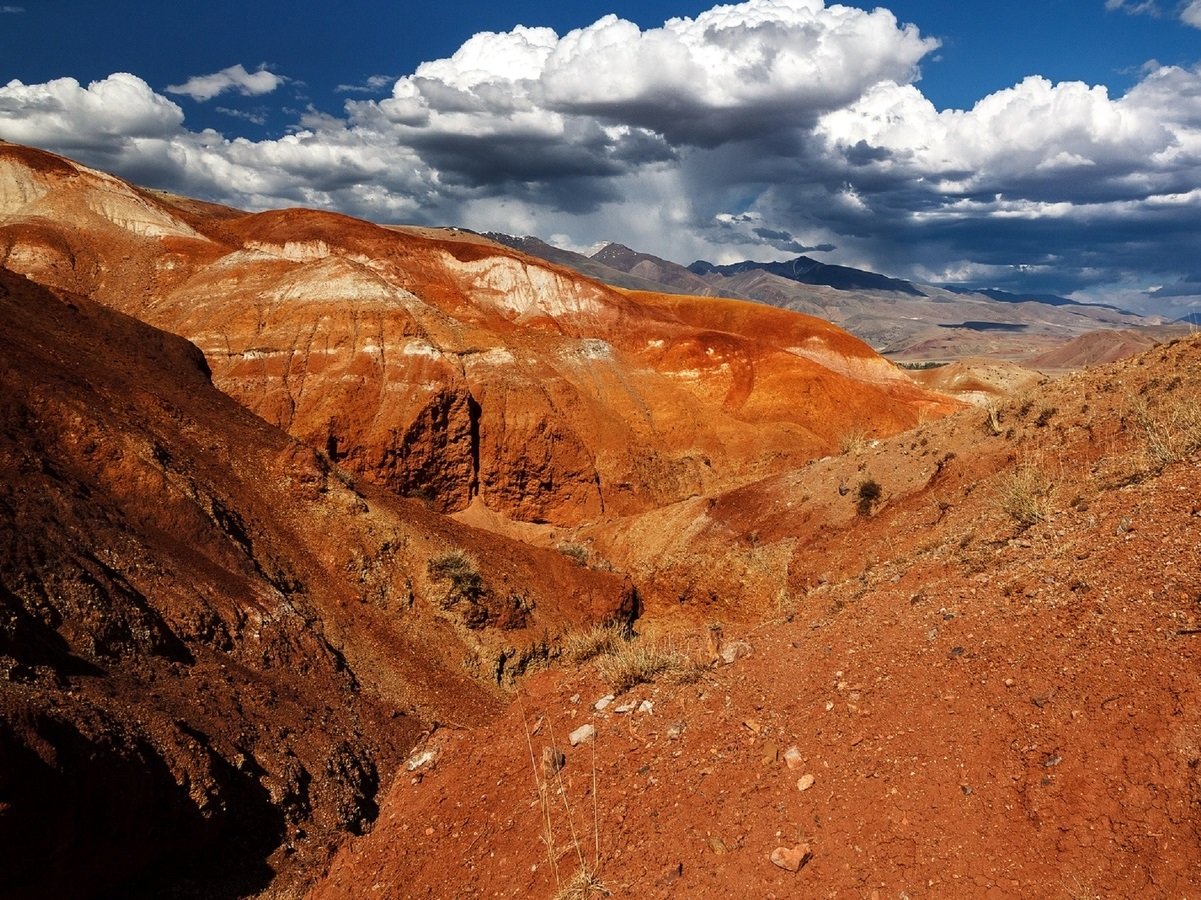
(1074, 166)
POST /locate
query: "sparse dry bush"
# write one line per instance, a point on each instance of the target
(579, 646)
(868, 495)
(1171, 430)
(466, 584)
(462, 571)
(575, 552)
(584, 882)
(639, 661)
(1023, 494)
(854, 441)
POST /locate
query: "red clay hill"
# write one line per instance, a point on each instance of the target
(441, 365)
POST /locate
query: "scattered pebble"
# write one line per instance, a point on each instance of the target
(735, 650)
(718, 846)
(582, 735)
(553, 760)
(793, 758)
(603, 702)
(672, 874)
(420, 759)
(791, 859)
(675, 731)
(805, 782)
(646, 707)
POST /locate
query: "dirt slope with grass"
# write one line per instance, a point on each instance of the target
(985, 680)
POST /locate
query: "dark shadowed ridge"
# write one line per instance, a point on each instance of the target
(1007, 297)
(809, 271)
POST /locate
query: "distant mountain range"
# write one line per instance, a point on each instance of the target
(898, 317)
(1007, 297)
(809, 271)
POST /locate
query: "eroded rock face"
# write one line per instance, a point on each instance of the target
(214, 645)
(443, 366)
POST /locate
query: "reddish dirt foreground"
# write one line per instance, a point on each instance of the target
(987, 707)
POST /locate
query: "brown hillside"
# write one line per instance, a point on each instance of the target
(890, 645)
(1099, 347)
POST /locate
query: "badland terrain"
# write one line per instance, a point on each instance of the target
(342, 559)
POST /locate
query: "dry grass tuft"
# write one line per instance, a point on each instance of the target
(1171, 430)
(854, 441)
(581, 886)
(641, 662)
(599, 640)
(550, 785)
(1023, 494)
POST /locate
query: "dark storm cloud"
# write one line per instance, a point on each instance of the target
(774, 124)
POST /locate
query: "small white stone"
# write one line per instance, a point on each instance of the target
(582, 735)
(603, 702)
(646, 707)
(424, 758)
(805, 782)
(735, 650)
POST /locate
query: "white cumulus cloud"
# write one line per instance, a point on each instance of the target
(763, 128)
(701, 81)
(233, 78)
(63, 113)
